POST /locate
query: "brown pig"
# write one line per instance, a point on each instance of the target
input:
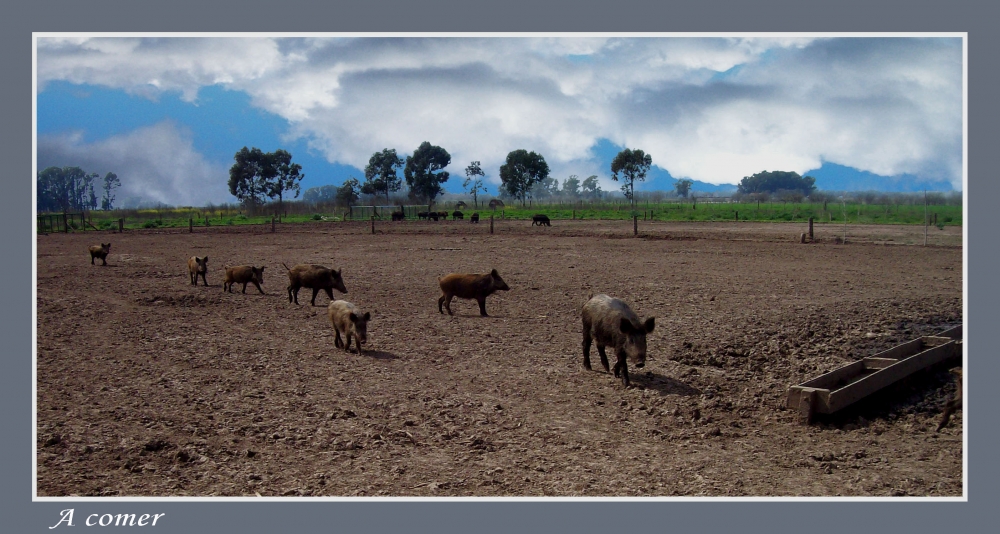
(314, 277)
(198, 266)
(470, 286)
(100, 251)
(611, 323)
(346, 318)
(243, 274)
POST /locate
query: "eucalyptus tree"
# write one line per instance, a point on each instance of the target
(424, 172)
(520, 172)
(380, 173)
(632, 165)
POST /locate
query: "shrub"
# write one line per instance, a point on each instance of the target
(151, 224)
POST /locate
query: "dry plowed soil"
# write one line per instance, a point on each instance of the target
(150, 386)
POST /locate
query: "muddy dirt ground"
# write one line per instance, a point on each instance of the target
(149, 386)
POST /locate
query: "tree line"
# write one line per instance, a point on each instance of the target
(64, 189)
(523, 175)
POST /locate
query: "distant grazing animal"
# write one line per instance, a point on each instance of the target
(954, 403)
(243, 274)
(198, 266)
(611, 323)
(443, 215)
(398, 216)
(470, 286)
(100, 251)
(433, 215)
(474, 218)
(422, 215)
(314, 277)
(457, 215)
(347, 319)
(540, 220)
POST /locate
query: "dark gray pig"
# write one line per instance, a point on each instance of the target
(347, 319)
(101, 252)
(198, 267)
(611, 323)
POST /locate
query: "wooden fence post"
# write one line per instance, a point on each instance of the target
(810, 228)
(65, 224)
(121, 225)
(373, 225)
(635, 225)
(491, 224)
(272, 224)
(191, 225)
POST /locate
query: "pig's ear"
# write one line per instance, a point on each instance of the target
(649, 324)
(368, 316)
(494, 273)
(626, 326)
(353, 317)
(205, 259)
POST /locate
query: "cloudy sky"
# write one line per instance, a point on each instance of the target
(167, 114)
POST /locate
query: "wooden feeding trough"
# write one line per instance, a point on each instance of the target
(846, 385)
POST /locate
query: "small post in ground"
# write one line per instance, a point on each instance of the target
(635, 225)
(373, 225)
(491, 224)
(810, 228)
(191, 225)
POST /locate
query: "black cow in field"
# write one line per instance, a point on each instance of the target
(540, 220)
(398, 216)
(422, 215)
(457, 215)
(474, 218)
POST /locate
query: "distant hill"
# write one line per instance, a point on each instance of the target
(833, 177)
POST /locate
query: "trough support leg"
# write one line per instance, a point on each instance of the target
(807, 406)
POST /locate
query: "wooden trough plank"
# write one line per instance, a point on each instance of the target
(875, 362)
(902, 350)
(889, 375)
(831, 379)
(953, 333)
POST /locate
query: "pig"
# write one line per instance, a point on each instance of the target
(474, 218)
(198, 266)
(611, 323)
(101, 252)
(443, 215)
(346, 318)
(540, 220)
(954, 403)
(398, 216)
(314, 277)
(422, 215)
(433, 215)
(457, 215)
(243, 274)
(470, 286)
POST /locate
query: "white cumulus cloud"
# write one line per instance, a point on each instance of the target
(156, 164)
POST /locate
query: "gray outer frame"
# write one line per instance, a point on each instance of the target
(19, 514)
